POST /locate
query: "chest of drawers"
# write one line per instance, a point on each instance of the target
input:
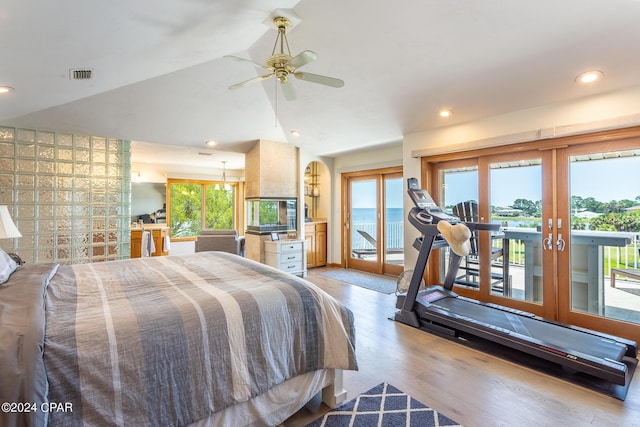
(287, 255)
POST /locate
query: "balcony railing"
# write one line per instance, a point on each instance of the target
(394, 233)
(625, 257)
(614, 256)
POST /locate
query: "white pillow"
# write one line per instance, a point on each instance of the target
(7, 266)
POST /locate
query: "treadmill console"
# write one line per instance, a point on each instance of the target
(423, 201)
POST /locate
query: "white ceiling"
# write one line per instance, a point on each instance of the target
(159, 75)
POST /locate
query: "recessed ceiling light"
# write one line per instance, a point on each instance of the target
(445, 113)
(210, 142)
(589, 76)
(295, 132)
(6, 89)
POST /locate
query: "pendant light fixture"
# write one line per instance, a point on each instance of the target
(226, 186)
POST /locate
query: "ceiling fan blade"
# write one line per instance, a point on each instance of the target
(303, 58)
(250, 81)
(289, 91)
(237, 58)
(323, 80)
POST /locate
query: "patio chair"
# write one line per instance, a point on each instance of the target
(370, 251)
(468, 212)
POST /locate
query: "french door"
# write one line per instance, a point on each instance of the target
(600, 284)
(374, 221)
(569, 217)
(508, 191)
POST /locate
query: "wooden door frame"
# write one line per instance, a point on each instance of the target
(549, 305)
(561, 148)
(590, 321)
(378, 267)
(350, 262)
(388, 268)
(432, 179)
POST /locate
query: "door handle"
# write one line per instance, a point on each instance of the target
(548, 242)
(560, 243)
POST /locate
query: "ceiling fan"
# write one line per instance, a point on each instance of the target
(282, 65)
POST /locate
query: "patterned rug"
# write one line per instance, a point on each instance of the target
(384, 406)
(384, 284)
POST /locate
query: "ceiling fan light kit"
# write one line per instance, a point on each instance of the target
(282, 65)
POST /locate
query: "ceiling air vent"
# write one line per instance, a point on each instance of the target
(80, 74)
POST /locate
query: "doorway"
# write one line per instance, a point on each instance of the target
(374, 221)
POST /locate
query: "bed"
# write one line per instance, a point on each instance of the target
(202, 339)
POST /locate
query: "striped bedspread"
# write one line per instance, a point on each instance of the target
(169, 340)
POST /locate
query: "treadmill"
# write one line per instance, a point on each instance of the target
(439, 310)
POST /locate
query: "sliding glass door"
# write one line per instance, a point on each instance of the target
(393, 223)
(506, 262)
(569, 228)
(601, 240)
(374, 221)
(515, 196)
(364, 226)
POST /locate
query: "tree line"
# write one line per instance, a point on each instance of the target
(578, 204)
(613, 215)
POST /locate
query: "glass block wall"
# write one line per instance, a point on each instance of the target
(69, 195)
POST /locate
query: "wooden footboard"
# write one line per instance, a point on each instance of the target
(334, 394)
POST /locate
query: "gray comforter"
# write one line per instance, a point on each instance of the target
(169, 340)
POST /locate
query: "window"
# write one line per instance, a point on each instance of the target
(197, 205)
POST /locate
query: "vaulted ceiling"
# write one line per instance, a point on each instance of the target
(159, 76)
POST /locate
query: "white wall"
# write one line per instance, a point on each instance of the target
(147, 197)
(353, 162)
(608, 111)
(613, 110)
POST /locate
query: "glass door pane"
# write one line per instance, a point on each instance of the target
(605, 222)
(393, 224)
(363, 231)
(516, 204)
(459, 185)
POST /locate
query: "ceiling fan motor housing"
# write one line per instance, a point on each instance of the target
(280, 65)
(281, 22)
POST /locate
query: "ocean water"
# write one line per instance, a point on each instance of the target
(368, 215)
(365, 219)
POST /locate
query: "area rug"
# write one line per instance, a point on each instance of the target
(383, 405)
(364, 280)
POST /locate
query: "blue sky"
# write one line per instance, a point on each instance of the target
(364, 189)
(604, 180)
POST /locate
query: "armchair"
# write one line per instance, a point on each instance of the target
(220, 240)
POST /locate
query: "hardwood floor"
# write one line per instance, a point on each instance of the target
(471, 387)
